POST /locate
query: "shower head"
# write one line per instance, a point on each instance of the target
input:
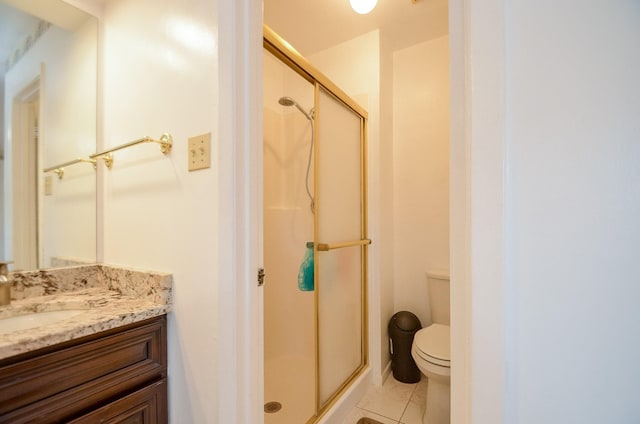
(288, 101)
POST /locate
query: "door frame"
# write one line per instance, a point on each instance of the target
(477, 218)
(26, 159)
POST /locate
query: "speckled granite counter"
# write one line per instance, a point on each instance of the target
(105, 296)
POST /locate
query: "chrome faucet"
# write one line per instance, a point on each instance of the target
(5, 284)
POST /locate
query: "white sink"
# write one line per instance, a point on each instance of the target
(38, 319)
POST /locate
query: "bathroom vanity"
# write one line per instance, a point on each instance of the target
(98, 355)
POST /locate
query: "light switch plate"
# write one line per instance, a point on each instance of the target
(200, 152)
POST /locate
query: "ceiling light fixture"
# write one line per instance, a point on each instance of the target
(363, 6)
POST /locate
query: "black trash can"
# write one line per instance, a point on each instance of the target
(402, 327)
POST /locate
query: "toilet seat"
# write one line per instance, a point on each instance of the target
(432, 344)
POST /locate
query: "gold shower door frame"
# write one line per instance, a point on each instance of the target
(281, 49)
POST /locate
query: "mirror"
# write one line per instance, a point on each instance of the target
(48, 83)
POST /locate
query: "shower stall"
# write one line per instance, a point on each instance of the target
(315, 238)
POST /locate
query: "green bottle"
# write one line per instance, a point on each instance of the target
(305, 275)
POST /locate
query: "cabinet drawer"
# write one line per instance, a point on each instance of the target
(145, 406)
(92, 371)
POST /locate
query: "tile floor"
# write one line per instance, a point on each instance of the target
(392, 403)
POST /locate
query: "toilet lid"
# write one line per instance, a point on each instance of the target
(433, 344)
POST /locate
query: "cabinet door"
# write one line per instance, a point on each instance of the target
(74, 378)
(146, 406)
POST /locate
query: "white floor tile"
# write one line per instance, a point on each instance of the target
(419, 395)
(390, 400)
(357, 413)
(416, 406)
(413, 414)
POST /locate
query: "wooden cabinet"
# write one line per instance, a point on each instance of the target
(117, 376)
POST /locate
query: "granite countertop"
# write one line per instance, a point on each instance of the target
(104, 297)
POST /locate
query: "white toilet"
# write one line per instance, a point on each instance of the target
(431, 351)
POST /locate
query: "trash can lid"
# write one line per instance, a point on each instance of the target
(406, 321)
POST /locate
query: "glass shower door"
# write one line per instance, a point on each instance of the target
(340, 239)
(315, 333)
(289, 318)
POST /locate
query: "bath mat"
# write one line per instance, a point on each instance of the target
(367, 421)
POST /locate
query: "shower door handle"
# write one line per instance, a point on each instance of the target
(325, 247)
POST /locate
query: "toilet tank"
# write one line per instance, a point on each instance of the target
(438, 283)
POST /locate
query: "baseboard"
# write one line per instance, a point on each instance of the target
(386, 372)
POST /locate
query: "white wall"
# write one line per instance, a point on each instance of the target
(573, 204)
(355, 66)
(421, 183)
(381, 172)
(546, 253)
(161, 75)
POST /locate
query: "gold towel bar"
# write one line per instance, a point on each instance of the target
(324, 247)
(165, 143)
(59, 169)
